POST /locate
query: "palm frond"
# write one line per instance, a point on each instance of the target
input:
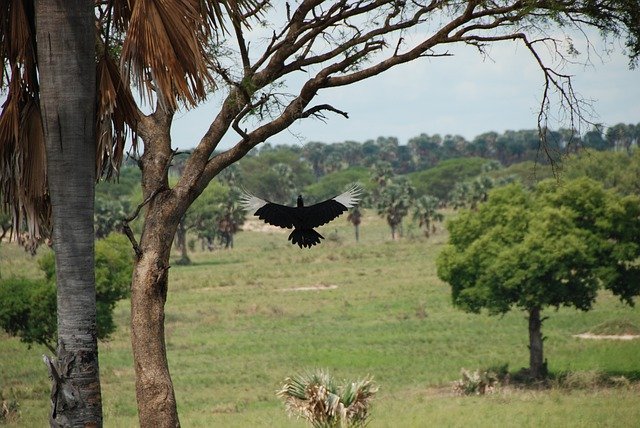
(316, 397)
(116, 112)
(23, 183)
(165, 48)
(17, 41)
(164, 51)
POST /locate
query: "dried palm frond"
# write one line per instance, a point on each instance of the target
(17, 41)
(22, 150)
(23, 163)
(116, 111)
(166, 44)
(164, 51)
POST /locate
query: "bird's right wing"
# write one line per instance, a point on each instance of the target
(272, 213)
(323, 212)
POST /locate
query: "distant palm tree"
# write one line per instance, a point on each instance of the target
(393, 203)
(426, 214)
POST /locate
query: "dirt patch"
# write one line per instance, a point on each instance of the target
(607, 336)
(312, 288)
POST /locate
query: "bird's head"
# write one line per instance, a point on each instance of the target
(300, 202)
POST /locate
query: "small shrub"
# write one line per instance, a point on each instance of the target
(481, 381)
(28, 307)
(317, 398)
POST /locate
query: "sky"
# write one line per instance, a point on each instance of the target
(465, 94)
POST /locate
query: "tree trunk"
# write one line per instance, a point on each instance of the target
(154, 388)
(66, 61)
(537, 367)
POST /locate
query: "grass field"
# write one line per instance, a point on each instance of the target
(238, 322)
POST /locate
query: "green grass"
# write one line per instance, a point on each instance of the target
(235, 329)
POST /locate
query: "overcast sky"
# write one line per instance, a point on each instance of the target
(465, 94)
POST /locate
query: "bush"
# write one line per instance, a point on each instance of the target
(28, 310)
(29, 307)
(317, 398)
(481, 381)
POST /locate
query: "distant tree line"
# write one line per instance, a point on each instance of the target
(426, 151)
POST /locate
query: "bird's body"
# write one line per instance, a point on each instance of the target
(302, 219)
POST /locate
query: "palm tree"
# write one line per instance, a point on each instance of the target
(50, 108)
(425, 213)
(393, 203)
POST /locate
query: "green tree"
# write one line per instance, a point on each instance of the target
(202, 217)
(393, 202)
(28, 307)
(554, 247)
(425, 212)
(440, 180)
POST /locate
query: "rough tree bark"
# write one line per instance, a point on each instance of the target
(154, 389)
(66, 60)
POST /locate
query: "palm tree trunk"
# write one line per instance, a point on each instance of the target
(536, 362)
(66, 61)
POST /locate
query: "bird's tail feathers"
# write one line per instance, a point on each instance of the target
(351, 197)
(305, 237)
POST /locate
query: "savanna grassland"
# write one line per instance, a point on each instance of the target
(238, 322)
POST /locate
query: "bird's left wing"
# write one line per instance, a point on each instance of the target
(272, 213)
(323, 212)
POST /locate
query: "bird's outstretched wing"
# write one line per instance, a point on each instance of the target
(272, 213)
(304, 217)
(323, 212)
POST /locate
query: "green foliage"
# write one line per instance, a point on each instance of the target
(28, 307)
(317, 397)
(393, 201)
(28, 310)
(440, 180)
(264, 176)
(555, 246)
(425, 213)
(333, 184)
(615, 170)
(216, 213)
(114, 200)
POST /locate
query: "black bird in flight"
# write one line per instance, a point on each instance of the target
(302, 219)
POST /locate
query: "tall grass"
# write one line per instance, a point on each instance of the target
(239, 322)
